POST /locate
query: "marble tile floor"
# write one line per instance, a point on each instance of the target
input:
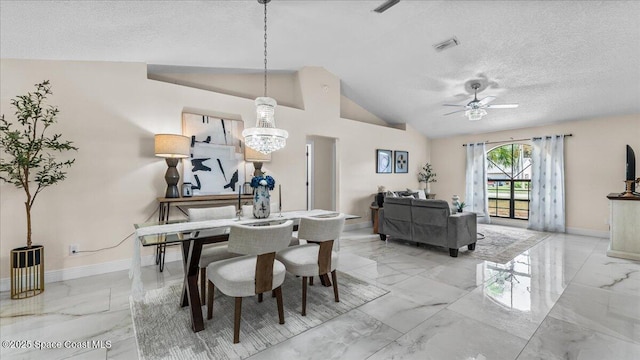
(561, 299)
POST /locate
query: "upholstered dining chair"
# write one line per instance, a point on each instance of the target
(247, 211)
(254, 273)
(211, 252)
(319, 256)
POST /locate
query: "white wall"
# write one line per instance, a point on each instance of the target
(111, 111)
(594, 165)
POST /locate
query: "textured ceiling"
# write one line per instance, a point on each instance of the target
(560, 60)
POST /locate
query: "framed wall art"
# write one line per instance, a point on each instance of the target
(216, 160)
(384, 161)
(401, 161)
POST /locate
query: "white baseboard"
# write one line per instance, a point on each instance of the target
(95, 269)
(356, 226)
(125, 264)
(588, 232)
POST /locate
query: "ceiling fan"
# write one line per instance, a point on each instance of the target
(475, 109)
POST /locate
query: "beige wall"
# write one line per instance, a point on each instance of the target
(594, 165)
(111, 111)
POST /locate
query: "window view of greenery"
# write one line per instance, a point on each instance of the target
(509, 180)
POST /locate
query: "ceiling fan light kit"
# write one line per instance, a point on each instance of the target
(475, 109)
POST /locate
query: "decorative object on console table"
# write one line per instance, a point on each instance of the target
(427, 176)
(383, 161)
(261, 198)
(401, 160)
(216, 161)
(186, 190)
(172, 148)
(29, 163)
(461, 206)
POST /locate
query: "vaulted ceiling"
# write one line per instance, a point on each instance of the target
(560, 60)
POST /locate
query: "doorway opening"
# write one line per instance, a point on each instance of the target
(321, 173)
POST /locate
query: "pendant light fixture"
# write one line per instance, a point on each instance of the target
(265, 137)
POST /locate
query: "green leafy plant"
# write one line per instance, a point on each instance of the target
(461, 206)
(29, 162)
(426, 174)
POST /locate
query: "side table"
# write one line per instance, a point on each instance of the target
(374, 215)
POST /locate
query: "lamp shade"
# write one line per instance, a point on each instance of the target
(255, 156)
(172, 146)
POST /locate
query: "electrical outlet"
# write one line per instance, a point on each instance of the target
(73, 249)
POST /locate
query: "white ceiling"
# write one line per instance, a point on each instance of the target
(560, 60)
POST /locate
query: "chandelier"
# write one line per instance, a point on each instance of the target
(475, 114)
(265, 137)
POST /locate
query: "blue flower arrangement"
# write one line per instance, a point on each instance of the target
(263, 180)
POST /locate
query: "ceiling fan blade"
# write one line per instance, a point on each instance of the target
(486, 100)
(454, 105)
(502, 106)
(457, 111)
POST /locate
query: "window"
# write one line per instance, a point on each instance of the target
(509, 180)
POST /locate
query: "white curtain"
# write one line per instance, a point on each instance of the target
(476, 197)
(546, 212)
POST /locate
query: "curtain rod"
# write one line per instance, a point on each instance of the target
(512, 140)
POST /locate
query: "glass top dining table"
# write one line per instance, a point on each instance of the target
(192, 236)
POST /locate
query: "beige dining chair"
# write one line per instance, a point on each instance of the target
(247, 213)
(254, 273)
(211, 252)
(319, 256)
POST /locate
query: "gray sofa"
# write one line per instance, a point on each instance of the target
(428, 222)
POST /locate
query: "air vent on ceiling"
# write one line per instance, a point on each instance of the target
(447, 44)
(384, 7)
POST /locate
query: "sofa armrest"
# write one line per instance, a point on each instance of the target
(462, 229)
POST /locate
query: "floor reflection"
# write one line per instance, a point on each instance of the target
(511, 283)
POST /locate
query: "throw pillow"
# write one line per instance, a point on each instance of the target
(419, 194)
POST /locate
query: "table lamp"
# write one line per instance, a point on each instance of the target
(172, 148)
(257, 158)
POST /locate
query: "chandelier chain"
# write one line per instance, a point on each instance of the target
(265, 48)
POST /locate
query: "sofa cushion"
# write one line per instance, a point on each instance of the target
(430, 203)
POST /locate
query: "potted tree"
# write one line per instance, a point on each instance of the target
(28, 162)
(426, 176)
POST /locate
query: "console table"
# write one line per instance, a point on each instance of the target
(164, 207)
(624, 226)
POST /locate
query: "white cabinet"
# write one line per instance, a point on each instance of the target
(625, 227)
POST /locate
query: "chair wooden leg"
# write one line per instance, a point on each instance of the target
(260, 297)
(236, 321)
(311, 280)
(334, 278)
(278, 292)
(210, 301)
(203, 284)
(304, 296)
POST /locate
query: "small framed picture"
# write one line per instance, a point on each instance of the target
(384, 160)
(401, 161)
